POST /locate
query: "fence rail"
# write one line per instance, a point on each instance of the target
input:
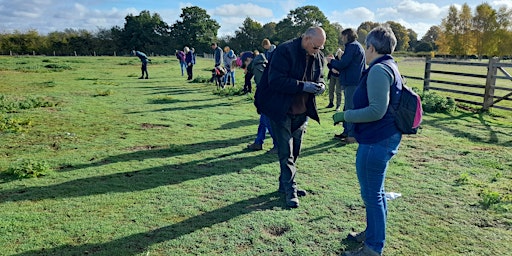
(489, 97)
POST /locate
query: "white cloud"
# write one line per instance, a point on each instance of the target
(241, 10)
(351, 18)
(502, 3)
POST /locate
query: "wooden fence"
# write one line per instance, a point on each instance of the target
(489, 96)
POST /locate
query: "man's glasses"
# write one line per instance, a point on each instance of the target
(317, 47)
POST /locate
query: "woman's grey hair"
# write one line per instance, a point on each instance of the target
(383, 40)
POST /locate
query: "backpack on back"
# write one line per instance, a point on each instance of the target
(409, 113)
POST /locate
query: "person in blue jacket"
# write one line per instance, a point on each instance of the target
(144, 60)
(190, 60)
(286, 95)
(350, 66)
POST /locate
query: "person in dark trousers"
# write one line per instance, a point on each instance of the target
(190, 59)
(144, 60)
(350, 66)
(286, 95)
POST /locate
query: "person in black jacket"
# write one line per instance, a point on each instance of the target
(286, 95)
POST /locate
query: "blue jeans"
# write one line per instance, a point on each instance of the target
(262, 131)
(348, 128)
(288, 134)
(230, 75)
(183, 66)
(371, 165)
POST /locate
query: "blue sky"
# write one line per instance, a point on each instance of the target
(56, 15)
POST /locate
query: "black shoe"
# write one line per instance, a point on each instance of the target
(340, 136)
(357, 237)
(147, 77)
(141, 77)
(292, 200)
(300, 192)
(330, 105)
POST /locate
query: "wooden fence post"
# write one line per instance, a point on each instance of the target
(490, 83)
(426, 79)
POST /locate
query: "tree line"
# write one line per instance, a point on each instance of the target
(485, 33)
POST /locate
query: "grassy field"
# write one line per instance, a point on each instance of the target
(159, 167)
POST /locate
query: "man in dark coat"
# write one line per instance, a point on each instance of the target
(286, 94)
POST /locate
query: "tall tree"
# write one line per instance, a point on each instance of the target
(145, 32)
(196, 29)
(465, 29)
(248, 36)
(485, 27)
(365, 28)
(413, 39)
(431, 37)
(402, 37)
(450, 40)
(300, 19)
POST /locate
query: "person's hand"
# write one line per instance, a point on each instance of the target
(329, 58)
(338, 117)
(335, 71)
(321, 89)
(311, 87)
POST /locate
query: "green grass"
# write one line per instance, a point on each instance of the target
(159, 167)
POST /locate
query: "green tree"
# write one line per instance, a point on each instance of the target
(431, 37)
(248, 36)
(450, 40)
(145, 32)
(485, 26)
(365, 28)
(402, 37)
(465, 29)
(196, 29)
(413, 39)
(300, 19)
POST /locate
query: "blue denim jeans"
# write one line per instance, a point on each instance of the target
(183, 66)
(371, 165)
(230, 76)
(263, 127)
(348, 128)
(288, 134)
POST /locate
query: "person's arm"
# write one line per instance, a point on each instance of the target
(379, 83)
(346, 58)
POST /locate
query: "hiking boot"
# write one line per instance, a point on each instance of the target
(147, 77)
(340, 136)
(141, 77)
(349, 140)
(330, 105)
(272, 151)
(363, 251)
(255, 146)
(292, 200)
(357, 237)
(300, 192)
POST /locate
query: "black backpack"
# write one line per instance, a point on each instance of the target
(409, 113)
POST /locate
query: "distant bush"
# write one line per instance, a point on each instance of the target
(10, 105)
(57, 67)
(9, 124)
(26, 168)
(434, 103)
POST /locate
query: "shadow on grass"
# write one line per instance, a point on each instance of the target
(495, 136)
(138, 243)
(138, 180)
(238, 124)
